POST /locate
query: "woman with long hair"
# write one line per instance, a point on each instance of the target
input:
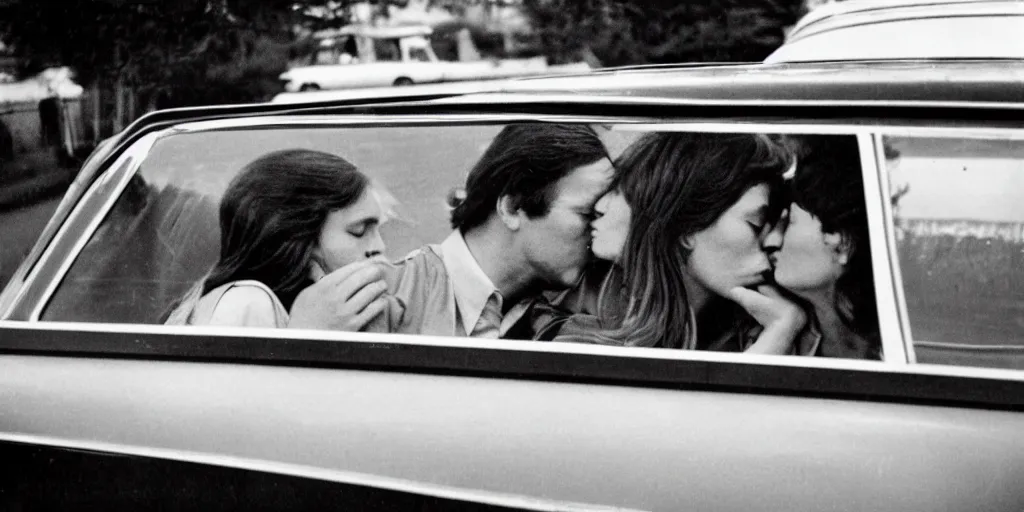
(682, 226)
(821, 252)
(288, 219)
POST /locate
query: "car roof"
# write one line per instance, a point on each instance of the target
(914, 81)
(838, 15)
(983, 88)
(397, 31)
(982, 81)
(919, 83)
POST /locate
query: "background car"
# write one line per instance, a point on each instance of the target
(92, 385)
(399, 56)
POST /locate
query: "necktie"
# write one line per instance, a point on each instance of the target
(489, 324)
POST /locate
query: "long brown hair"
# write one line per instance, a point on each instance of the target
(678, 184)
(272, 213)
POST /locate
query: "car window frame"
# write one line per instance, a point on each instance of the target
(896, 350)
(895, 357)
(1015, 134)
(65, 242)
(137, 153)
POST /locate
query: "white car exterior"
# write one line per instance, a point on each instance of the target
(382, 74)
(907, 29)
(410, 60)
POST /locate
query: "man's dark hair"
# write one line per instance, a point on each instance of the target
(828, 184)
(524, 162)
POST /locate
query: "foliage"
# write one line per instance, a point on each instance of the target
(173, 52)
(626, 32)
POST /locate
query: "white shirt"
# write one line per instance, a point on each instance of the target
(471, 286)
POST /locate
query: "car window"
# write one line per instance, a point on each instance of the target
(387, 50)
(959, 231)
(419, 54)
(162, 233)
(163, 236)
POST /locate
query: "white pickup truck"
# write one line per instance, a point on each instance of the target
(359, 56)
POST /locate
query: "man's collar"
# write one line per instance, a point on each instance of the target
(471, 285)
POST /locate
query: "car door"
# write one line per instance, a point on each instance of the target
(86, 364)
(41, 476)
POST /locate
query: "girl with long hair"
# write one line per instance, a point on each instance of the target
(682, 226)
(821, 252)
(288, 219)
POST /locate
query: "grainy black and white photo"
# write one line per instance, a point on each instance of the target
(512, 255)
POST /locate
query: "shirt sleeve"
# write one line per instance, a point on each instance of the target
(244, 306)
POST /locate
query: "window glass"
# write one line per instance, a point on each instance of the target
(545, 248)
(326, 56)
(163, 234)
(959, 215)
(387, 50)
(419, 54)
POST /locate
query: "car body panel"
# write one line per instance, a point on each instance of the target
(543, 426)
(618, 446)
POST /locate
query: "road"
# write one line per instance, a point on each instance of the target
(18, 231)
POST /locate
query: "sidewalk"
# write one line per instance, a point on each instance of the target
(32, 177)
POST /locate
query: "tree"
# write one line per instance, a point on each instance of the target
(625, 32)
(174, 52)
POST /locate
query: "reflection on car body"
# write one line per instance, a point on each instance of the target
(413, 420)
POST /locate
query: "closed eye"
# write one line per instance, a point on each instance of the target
(361, 229)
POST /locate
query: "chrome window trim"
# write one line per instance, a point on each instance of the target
(123, 170)
(10, 295)
(889, 226)
(314, 473)
(1013, 134)
(127, 164)
(636, 353)
(718, 126)
(709, 125)
(887, 300)
(358, 120)
(598, 99)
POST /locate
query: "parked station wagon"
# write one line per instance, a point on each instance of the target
(104, 407)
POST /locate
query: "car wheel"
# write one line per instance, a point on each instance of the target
(309, 87)
(403, 81)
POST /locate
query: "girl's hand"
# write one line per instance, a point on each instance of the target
(344, 300)
(781, 318)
